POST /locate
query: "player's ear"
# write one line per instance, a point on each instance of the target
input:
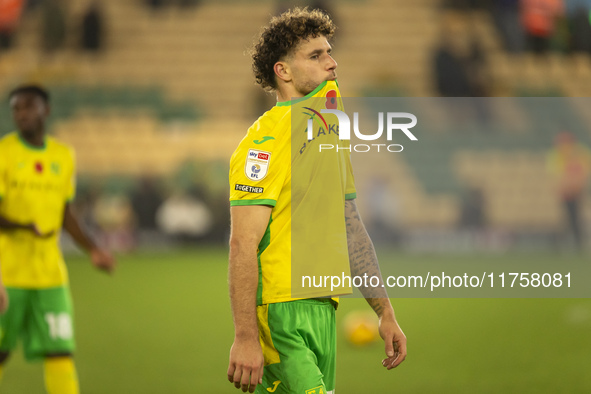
(282, 71)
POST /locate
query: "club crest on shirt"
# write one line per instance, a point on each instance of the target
(257, 164)
(55, 168)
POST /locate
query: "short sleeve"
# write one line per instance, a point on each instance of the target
(70, 186)
(258, 174)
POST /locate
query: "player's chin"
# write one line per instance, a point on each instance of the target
(26, 128)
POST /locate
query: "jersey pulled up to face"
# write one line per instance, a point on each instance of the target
(277, 164)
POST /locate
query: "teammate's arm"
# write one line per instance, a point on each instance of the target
(248, 226)
(363, 260)
(6, 224)
(100, 258)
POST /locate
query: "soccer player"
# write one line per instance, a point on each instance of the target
(37, 184)
(284, 191)
(569, 162)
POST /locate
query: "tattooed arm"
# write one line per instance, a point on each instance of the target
(364, 261)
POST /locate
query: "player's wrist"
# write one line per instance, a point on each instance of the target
(246, 335)
(387, 314)
(92, 248)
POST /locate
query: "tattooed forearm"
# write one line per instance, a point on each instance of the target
(363, 259)
(377, 304)
(361, 251)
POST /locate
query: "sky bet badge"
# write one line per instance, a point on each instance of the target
(257, 164)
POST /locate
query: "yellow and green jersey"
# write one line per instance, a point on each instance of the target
(35, 185)
(276, 164)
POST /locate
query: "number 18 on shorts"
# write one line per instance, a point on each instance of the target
(41, 318)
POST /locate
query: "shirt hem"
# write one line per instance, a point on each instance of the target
(287, 299)
(34, 287)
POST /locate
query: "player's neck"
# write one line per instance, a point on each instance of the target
(35, 138)
(287, 92)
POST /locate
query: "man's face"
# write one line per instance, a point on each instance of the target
(311, 64)
(29, 112)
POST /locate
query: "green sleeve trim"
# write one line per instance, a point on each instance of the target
(235, 203)
(351, 196)
(265, 241)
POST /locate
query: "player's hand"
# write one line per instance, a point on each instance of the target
(102, 260)
(395, 342)
(35, 230)
(3, 299)
(246, 364)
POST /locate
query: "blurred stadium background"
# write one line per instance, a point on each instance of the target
(155, 95)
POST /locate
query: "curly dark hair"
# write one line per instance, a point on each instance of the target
(31, 89)
(281, 36)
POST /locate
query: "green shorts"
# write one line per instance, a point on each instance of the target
(43, 318)
(299, 346)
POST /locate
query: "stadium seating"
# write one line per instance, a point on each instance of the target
(175, 85)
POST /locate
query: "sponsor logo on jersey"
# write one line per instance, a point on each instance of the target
(316, 116)
(257, 164)
(248, 189)
(36, 185)
(263, 140)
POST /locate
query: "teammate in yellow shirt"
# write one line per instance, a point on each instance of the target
(293, 206)
(569, 163)
(37, 184)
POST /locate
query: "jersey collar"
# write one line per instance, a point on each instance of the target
(312, 93)
(29, 146)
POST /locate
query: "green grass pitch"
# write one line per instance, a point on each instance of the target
(162, 324)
